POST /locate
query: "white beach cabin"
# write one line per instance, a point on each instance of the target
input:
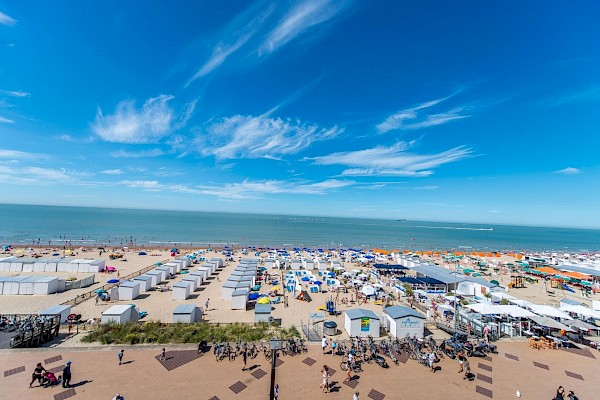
(61, 310)
(129, 290)
(239, 299)
(402, 321)
(361, 322)
(195, 280)
(182, 290)
(145, 282)
(120, 314)
(187, 314)
(262, 313)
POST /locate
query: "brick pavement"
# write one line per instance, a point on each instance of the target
(97, 376)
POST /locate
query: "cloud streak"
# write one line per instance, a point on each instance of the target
(148, 124)
(392, 161)
(223, 50)
(7, 20)
(4, 120)
(21, 155)
(244, 136)
(568, 171)
(244, 190)
(15, 93)
(414, 118)
(304, 16)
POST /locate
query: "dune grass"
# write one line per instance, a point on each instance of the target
(157, 332)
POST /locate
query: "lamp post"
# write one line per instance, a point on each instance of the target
(275, 344)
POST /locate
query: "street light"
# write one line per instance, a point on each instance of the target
(274, 344)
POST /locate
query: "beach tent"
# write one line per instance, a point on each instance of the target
(361, 322)
(483, 308)
(62, 310)
(129, 290)
(187, 313)
(181, 290)
(368, 290)
(120, 314)
(402, 321)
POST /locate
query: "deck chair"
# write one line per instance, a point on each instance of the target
(276, 301)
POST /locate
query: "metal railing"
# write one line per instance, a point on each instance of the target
(92, 293)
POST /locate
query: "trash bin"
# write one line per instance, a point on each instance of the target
(329, 328)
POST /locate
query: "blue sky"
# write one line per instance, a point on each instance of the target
(432, 110)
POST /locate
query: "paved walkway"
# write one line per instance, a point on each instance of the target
(97, 375)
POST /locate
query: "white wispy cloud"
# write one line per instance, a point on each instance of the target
(427, 187)
(243, 190)
(4, 120)
(21, 155)
(246, 136)
(415, 118)
(256, 189)
(37, 175)
(156, 152)
(153, 121)
(7, 20)
(15, 93)
(392, 161)
(224, 49)
(305, 15)
(568, 171)
(116, 171)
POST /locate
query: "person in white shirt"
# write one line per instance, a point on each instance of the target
(431, 359)
(355, 397)
(324, 343)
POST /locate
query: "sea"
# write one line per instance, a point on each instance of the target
(87, 226)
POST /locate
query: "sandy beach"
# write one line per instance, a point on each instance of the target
(160, 306)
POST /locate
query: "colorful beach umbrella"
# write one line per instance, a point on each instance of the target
(112, 281)
(264, 300)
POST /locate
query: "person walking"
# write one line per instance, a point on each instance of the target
(163, 355)
(37, 374)
(355, 397)
(324, 343)
(276, 392)
(334, 347)
(206, 304)
(325, 385)
(461, 360)
(66, 375)
(120, 356)
(467, 368)
(560, 393)
(486, 333)
(244, 357)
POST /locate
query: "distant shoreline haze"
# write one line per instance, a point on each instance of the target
(87, 226)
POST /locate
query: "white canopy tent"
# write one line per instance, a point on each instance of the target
(582, 310)
(549, 311)
(550, 323)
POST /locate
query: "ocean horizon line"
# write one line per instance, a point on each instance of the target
(399, 219)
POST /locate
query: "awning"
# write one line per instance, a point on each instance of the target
(579, 324)
(549, 311)
(550, 323)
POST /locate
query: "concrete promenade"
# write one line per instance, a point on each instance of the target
(184, 375)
